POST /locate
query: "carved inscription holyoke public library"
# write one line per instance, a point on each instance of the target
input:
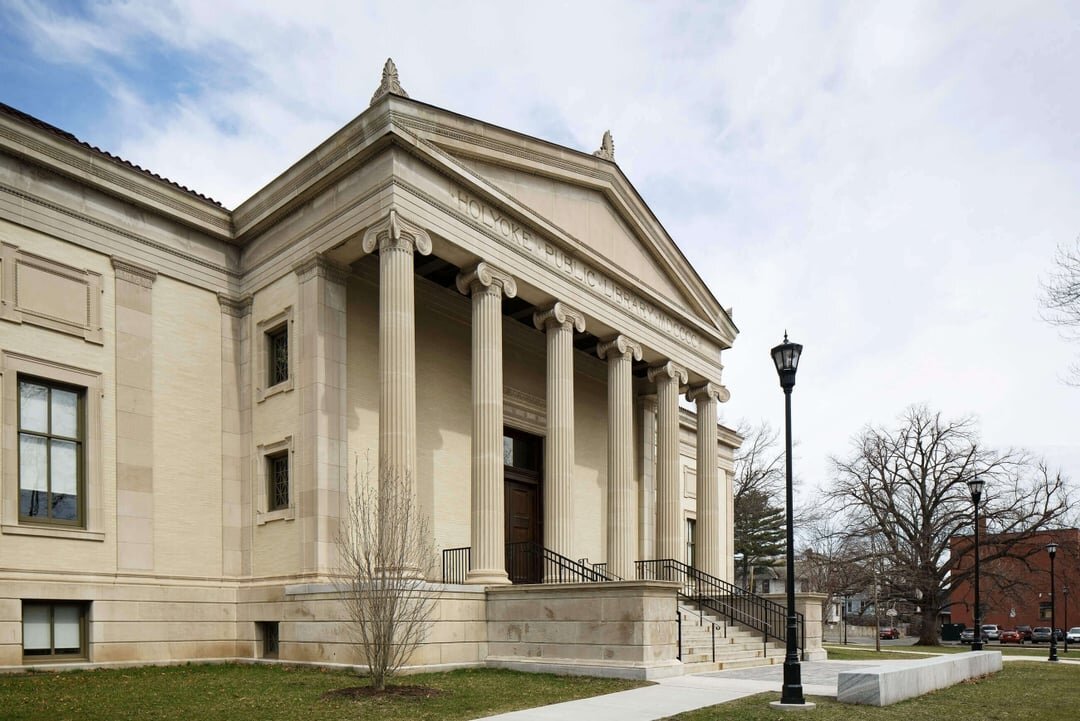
(575, 268)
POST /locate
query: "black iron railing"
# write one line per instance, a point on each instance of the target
(528, 562)
(724, 599)
(455, 564)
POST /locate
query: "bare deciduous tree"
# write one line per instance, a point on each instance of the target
(758, 495)
(1061, 296)
(386, 551)
(908, 487)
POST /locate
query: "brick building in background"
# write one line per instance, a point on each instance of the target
(1016, 591)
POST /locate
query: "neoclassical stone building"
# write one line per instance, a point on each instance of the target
(186, 391)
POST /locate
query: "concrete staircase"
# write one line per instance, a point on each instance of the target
(736, 646)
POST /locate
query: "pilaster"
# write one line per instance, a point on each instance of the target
(487, 285)
(320, 463)
(134, 416)
(620, 351)
(236, 434)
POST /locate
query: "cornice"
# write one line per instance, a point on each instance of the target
(113, 177)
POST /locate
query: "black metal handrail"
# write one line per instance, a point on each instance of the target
(724, 599)
(529, 562)
(455, 564)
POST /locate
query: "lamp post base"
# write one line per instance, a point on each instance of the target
(781, 706)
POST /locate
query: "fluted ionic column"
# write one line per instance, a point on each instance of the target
(397, 240)
(559, 322)
(668, 378)
(487, 285)
(707, 545)
(620, 351)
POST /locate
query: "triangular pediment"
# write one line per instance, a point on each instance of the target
(587, 200)
(585, 214)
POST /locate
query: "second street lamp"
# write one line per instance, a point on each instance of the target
(786, 358)
(1065, 593)
(1051, 548)
(975, 485)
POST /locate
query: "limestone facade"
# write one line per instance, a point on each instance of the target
(398, 299)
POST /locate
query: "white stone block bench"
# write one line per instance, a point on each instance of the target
(899, 680)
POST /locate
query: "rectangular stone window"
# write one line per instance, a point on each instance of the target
(275, 355)
(53, 630)
(51, 432)
(278, 355)
(1045, 609)
(277, 475)
(50, 418)
(274, 481)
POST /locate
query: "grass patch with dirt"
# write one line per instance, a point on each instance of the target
(1028, 691)
(242, 692)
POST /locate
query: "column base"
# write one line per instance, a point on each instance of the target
(487, 577)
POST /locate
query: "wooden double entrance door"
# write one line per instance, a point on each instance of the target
(523, 455)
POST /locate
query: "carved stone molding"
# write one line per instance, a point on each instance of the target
(670, 369)
(395, 233)
(133, 273)
(559, 314)
(484, 276)
(236, 307)
(607, 147)
(44, 292)
(620, 345)
(317, 265)
(390, 84)
(525, 411)
(707, 390)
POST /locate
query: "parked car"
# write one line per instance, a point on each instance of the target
(968, 636)
(1011, 636)
(991, 632)
(889, 633)
(1040, 634)
(1024, 631)
(1074, 634)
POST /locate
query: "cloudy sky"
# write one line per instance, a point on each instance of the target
(888, 181)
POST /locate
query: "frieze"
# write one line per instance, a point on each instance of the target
(581, 272)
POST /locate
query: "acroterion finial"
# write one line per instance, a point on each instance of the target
(607, 147)
(390, 84)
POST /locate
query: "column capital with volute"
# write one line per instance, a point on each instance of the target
(395, 233)
(619, 345)
(559, 314)
(668, 369)
(484, 277)
(708, 390)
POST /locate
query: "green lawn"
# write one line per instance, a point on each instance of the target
(862, 653)
(236, 692)
(1028, 691)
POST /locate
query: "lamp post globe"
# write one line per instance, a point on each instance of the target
(975, 486)
(786, 358)
(1051, 548)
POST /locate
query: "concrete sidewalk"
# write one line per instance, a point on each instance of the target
(686, 693)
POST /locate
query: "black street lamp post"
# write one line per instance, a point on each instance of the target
(1065, 593)
(786, 357)
(1051, 548)
(975, 485)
